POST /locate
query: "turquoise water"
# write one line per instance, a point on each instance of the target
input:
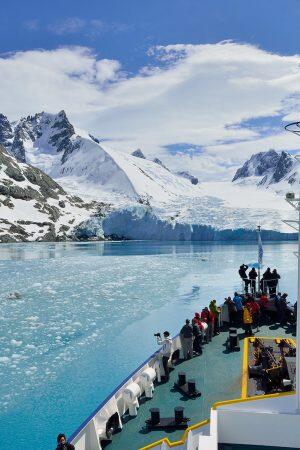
(87, 315)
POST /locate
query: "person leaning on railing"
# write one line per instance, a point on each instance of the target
(198, 337)
(252, 277)
(273, 282)
(186, 334)
(216, 313)
(244, 276)
(208, 318)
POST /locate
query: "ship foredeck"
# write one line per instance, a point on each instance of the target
(218, 375)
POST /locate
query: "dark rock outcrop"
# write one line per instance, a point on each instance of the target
(138, 154)
(26, 188)
(188, 176)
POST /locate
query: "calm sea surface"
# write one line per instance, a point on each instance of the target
(86, 317)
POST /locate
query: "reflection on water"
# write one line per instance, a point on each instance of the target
(49, 250)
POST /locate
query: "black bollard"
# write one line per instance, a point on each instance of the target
(178, 410)
(232, 331)
(181, 378)
(233, 342)
(191, 386)
(155, 416)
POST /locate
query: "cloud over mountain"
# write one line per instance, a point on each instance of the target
(201, 95)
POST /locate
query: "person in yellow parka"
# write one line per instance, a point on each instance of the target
(247, 319)
(216, 313)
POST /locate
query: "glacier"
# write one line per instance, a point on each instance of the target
(142, 224)
(142, 198)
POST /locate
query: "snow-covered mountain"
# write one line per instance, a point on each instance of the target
(78, 160)
(147, 200)
(271, 168)
(35, 207)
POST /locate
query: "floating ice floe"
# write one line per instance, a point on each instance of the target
(4, 359)
(32, 318)
(16, 343)
(14, 295)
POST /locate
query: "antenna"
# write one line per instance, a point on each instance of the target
(293, 127)
(294, 201)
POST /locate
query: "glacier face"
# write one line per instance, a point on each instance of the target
(144, 224)
(143, 198)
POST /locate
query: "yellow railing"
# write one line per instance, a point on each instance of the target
(176, 443)
(245, 368)
(249, 399)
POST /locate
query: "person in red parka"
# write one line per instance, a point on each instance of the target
(255, 311)
(197, 320)
(208, 318)
(263, 305)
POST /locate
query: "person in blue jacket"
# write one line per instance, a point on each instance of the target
(238, 301)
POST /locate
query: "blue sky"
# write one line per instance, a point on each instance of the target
(153, 74)
(130, 27)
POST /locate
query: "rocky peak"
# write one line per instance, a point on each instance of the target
(273, 167)
(138, 154)
(160, 163)
(52, 133)
(6, 132)
(259, 164)
(285, 165)
(63, 131)
(188, 176)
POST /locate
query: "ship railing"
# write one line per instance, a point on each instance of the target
(89, 434)
(252, 286)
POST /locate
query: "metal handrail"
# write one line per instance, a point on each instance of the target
(265, 284)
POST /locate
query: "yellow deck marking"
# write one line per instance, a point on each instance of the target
(245, 368)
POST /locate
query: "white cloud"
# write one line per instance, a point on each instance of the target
(69, 25)
(107, 70)
(75, 25)
(32, 25)
(196, 94)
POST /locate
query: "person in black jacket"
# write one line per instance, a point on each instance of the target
(244, 276)
(197, 333)
(267, 276)
(186, 334)
(62, 443)
(273, 283)
(282, 309)
(252, 277)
